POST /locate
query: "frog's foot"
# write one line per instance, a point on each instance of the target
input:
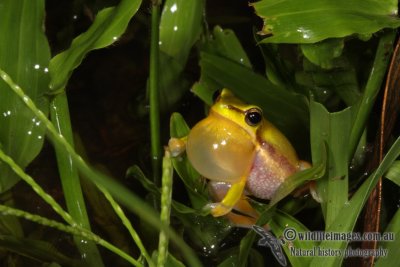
(177, 146)
(303, 165)
(218, 209)
(314, 192)
(244, 221)
(310, 187)
(230, 199)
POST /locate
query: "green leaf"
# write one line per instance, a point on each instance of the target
(393, 173)
(334, 130)
(324, 52)
(24, 55)
(277, 69)
(226, 44)
(348, 215)
(310, 21)
(180, 27)
(393, 247)
(108, 25)
(340, 78)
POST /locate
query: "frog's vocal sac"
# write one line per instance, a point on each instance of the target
(240, 152)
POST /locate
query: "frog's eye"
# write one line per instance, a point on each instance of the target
(253, 116)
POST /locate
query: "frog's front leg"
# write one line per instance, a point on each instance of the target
(229, 201)
(218, 191)
(177, 146)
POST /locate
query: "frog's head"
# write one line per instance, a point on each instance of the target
(222, 146)
(248, 117)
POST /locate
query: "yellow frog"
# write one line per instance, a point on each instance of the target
(240, 152)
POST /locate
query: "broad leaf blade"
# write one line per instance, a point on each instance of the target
(24, 55)
(310, 21)
(180, 27)
(108, 25)
(334, 130)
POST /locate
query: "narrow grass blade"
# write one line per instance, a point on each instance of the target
(154, 94)
(70, 179)
(374, 83)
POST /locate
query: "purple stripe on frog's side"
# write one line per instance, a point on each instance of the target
(269, 170)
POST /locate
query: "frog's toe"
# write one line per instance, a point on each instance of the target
(314, 192)
(218, 209)
(176, 146)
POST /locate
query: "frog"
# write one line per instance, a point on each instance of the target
(240, 152)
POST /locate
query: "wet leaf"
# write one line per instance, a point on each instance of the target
(311, 21)
(108, 25)
(324, 52)
(21, 134)
(225, 43)
(180, 27)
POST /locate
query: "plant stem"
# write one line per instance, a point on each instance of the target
(154, 92)
(166, 195)
(37, 188)
(374, 83)
(70, 178)
(120, 213)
